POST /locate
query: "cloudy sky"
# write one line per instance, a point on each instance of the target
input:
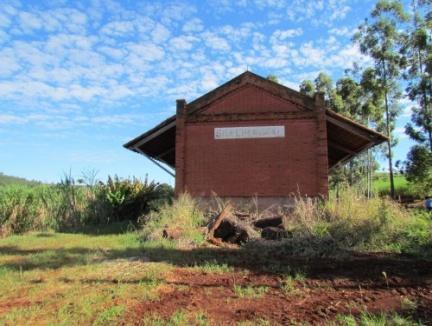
(80, 78)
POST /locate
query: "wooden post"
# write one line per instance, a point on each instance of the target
(321, 151)
(180, 147)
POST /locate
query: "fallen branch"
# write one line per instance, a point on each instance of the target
(216, 223)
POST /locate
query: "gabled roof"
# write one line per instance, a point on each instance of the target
(346, 138)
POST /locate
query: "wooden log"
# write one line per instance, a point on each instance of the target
(218, 220)
(233, 231)
(268, 221)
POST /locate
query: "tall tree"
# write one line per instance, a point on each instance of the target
(417, 51)
(379, 38)
(307, 87)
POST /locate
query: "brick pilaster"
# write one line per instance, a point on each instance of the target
(321, 150)
(180, 147)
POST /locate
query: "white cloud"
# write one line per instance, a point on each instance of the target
(5, 21)
(160, 33)
(110, 55)
(182, 43)
(342, 31)
(193, 25)
(119, 28)
(216, 42)
(145, 52)
(282, 35)
(11, 119)
(29, 22)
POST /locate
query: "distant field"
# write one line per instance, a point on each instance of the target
(381, 184)
(7, 180)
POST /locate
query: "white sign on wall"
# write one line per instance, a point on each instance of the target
(249, 132)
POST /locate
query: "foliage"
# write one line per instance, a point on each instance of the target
(419, 169)
(379, 38)
(7, 180)
(402, 187)
(307, 87)
(347, 98)
(68, 204)
(417, 49)
(131, 198)
(273, 78)
(353, 222)
(183, 215)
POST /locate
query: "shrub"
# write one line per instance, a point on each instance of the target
(183, 214)
(128, 199)
(69, 204)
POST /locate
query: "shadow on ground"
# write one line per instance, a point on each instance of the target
(255, 259)
(100, 229)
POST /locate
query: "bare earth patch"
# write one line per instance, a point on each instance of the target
(313, 300)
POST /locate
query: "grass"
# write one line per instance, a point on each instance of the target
(289, 283)
(381, 185)
(178, 318)
(214, 267)
(58, 278)
(250, 292)
(352, 222)
(75, 204)
(368, 319)
(95, 278)
(183, 215)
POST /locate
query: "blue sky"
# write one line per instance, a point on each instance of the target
(80, 78)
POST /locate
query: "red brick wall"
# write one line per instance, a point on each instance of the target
(245, 167)
(249, 99)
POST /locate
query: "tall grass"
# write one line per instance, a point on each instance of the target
(183, 215)
(72, 204)
(353, 222)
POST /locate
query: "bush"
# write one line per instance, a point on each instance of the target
(26, 207)
(128, 199)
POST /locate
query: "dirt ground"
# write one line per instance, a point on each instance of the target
(369, 283)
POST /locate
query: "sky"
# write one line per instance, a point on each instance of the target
(78, 79)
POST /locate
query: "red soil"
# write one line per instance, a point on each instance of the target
(316, 300)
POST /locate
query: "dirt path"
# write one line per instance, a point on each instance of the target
(316, 300)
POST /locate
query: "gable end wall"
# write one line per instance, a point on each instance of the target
(273, 167)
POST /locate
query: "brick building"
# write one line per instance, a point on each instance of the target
(254, 137)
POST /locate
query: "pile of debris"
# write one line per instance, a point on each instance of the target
(231, 227)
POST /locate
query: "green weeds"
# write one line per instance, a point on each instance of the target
(72, 204)
(250, 292)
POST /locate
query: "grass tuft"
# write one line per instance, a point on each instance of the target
(250, 292)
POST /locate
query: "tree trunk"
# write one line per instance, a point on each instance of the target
(389, 150)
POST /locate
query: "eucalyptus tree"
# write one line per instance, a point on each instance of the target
(417, 51)
(307, 87)
(379, 38)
